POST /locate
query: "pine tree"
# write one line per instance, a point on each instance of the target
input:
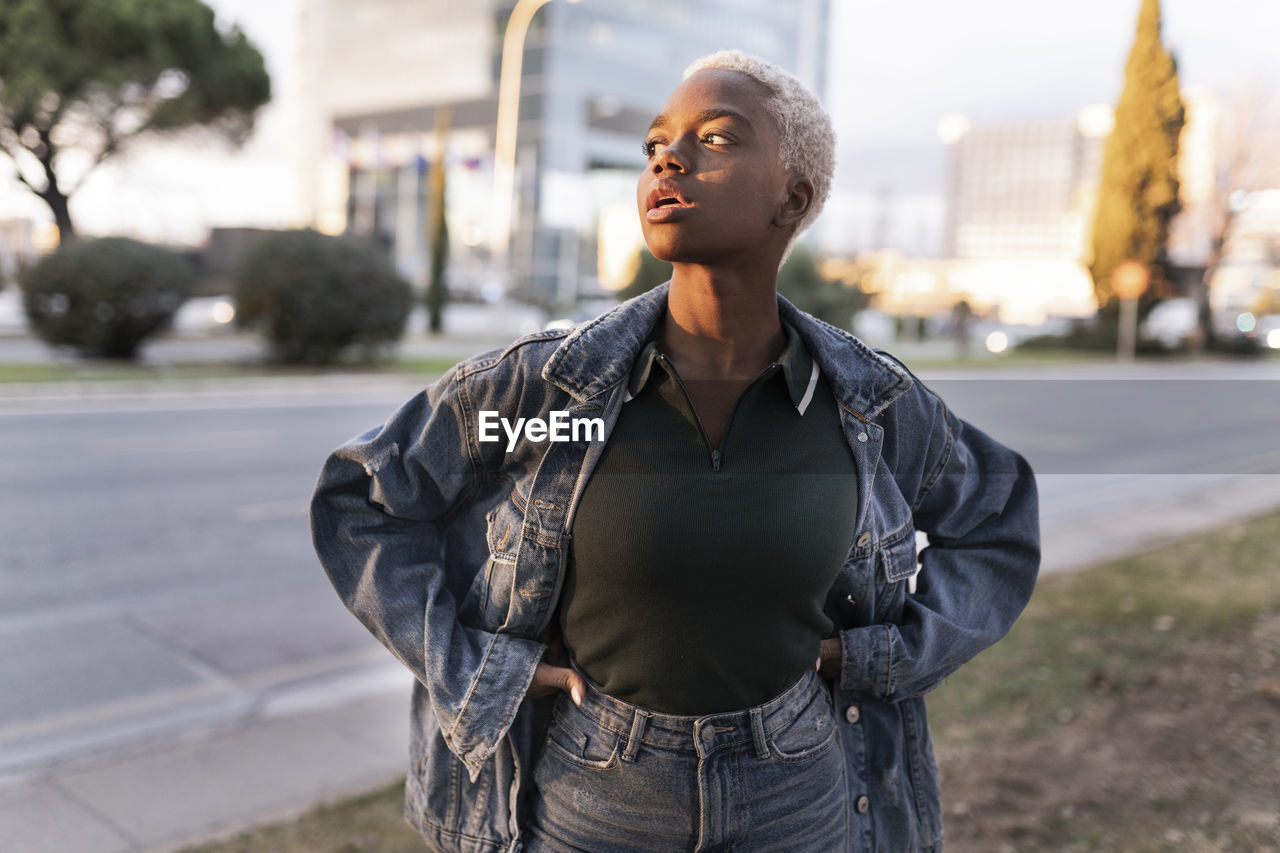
(1138, 194)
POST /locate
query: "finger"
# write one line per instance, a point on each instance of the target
(546, 679)
(577, 687)
(560, 678)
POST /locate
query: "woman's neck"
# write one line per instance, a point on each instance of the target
(721, 325)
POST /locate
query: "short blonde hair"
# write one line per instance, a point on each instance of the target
(807, 140)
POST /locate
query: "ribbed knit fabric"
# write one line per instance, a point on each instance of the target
(692, 590)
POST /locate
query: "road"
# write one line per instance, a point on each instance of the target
(157, 576)
(157, 569)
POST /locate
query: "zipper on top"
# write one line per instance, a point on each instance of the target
(715, 452)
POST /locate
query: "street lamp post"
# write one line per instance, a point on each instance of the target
(504, 152)
(1129, 280)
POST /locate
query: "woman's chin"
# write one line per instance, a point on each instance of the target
(679, 252)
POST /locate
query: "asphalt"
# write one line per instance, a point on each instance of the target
(328, 739)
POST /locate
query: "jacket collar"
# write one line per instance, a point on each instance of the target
(799, 371)
(599, 354)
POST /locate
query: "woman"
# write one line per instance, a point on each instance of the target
(615, 635)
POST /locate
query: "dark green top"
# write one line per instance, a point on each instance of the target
(697, 575)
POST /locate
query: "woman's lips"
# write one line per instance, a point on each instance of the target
(667, 212)
(665, 202)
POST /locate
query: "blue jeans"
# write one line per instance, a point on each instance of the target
(615, 777)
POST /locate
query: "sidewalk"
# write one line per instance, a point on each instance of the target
(184, 788)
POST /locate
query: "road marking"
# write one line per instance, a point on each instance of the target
(271, 510)
(203, 442)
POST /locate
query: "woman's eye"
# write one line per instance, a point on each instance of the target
(650, 147)
(715, 139)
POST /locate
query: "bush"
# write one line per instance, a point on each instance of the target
(104, 297)
(314, 295)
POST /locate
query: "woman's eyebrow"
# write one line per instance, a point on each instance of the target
(663, 119)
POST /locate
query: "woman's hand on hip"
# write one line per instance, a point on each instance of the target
(830, 659)
(547, 679)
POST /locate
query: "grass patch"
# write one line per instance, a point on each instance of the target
(1110, 629)
(1135, 707)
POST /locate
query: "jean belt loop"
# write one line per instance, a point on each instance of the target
(757, 733)
(634, 737)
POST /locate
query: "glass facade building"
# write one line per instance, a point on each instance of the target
(392, 79)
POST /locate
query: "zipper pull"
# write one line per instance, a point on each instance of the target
(715, 460)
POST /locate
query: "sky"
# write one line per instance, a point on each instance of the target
(895, 69)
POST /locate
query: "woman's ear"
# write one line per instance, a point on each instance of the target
(796, 204)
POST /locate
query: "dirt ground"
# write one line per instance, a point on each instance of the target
(1186, 757)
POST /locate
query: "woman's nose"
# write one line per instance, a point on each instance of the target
(669, 158)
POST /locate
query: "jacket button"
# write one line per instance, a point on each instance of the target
(852, 714)
(864, 539)
(862, 436)
(851, 599)
(863, 805)
(708, 734)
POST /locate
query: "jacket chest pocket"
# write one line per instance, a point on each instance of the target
(874, 584)
(895, 566)
(504, 535)
(884, 557)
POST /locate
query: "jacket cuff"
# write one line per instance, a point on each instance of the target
(867, 665)
(495, 696)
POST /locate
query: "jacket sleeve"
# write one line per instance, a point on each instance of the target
(977, 501)
(378, 517)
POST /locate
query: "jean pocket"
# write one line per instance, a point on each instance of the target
(810, 734)
(582, 743)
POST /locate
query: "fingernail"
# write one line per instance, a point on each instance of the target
(576, 692)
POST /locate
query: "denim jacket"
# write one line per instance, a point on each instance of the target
(451, 551)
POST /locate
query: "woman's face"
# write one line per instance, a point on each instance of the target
(714, 183)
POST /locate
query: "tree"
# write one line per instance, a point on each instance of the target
(81, 79)
(800, 281)
(1248, 158)
(1138, 193)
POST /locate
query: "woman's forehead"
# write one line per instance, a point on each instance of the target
(719, 90)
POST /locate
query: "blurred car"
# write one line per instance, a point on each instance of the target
(1269, 330)
(12, 316)
(874, 327)
(205, 315)
(586, 310)
(1172, 324)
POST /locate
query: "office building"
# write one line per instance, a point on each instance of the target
(389, 79)
(1022, 190)
(1029, 189)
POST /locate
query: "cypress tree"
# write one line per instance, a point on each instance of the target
(1138, 193)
